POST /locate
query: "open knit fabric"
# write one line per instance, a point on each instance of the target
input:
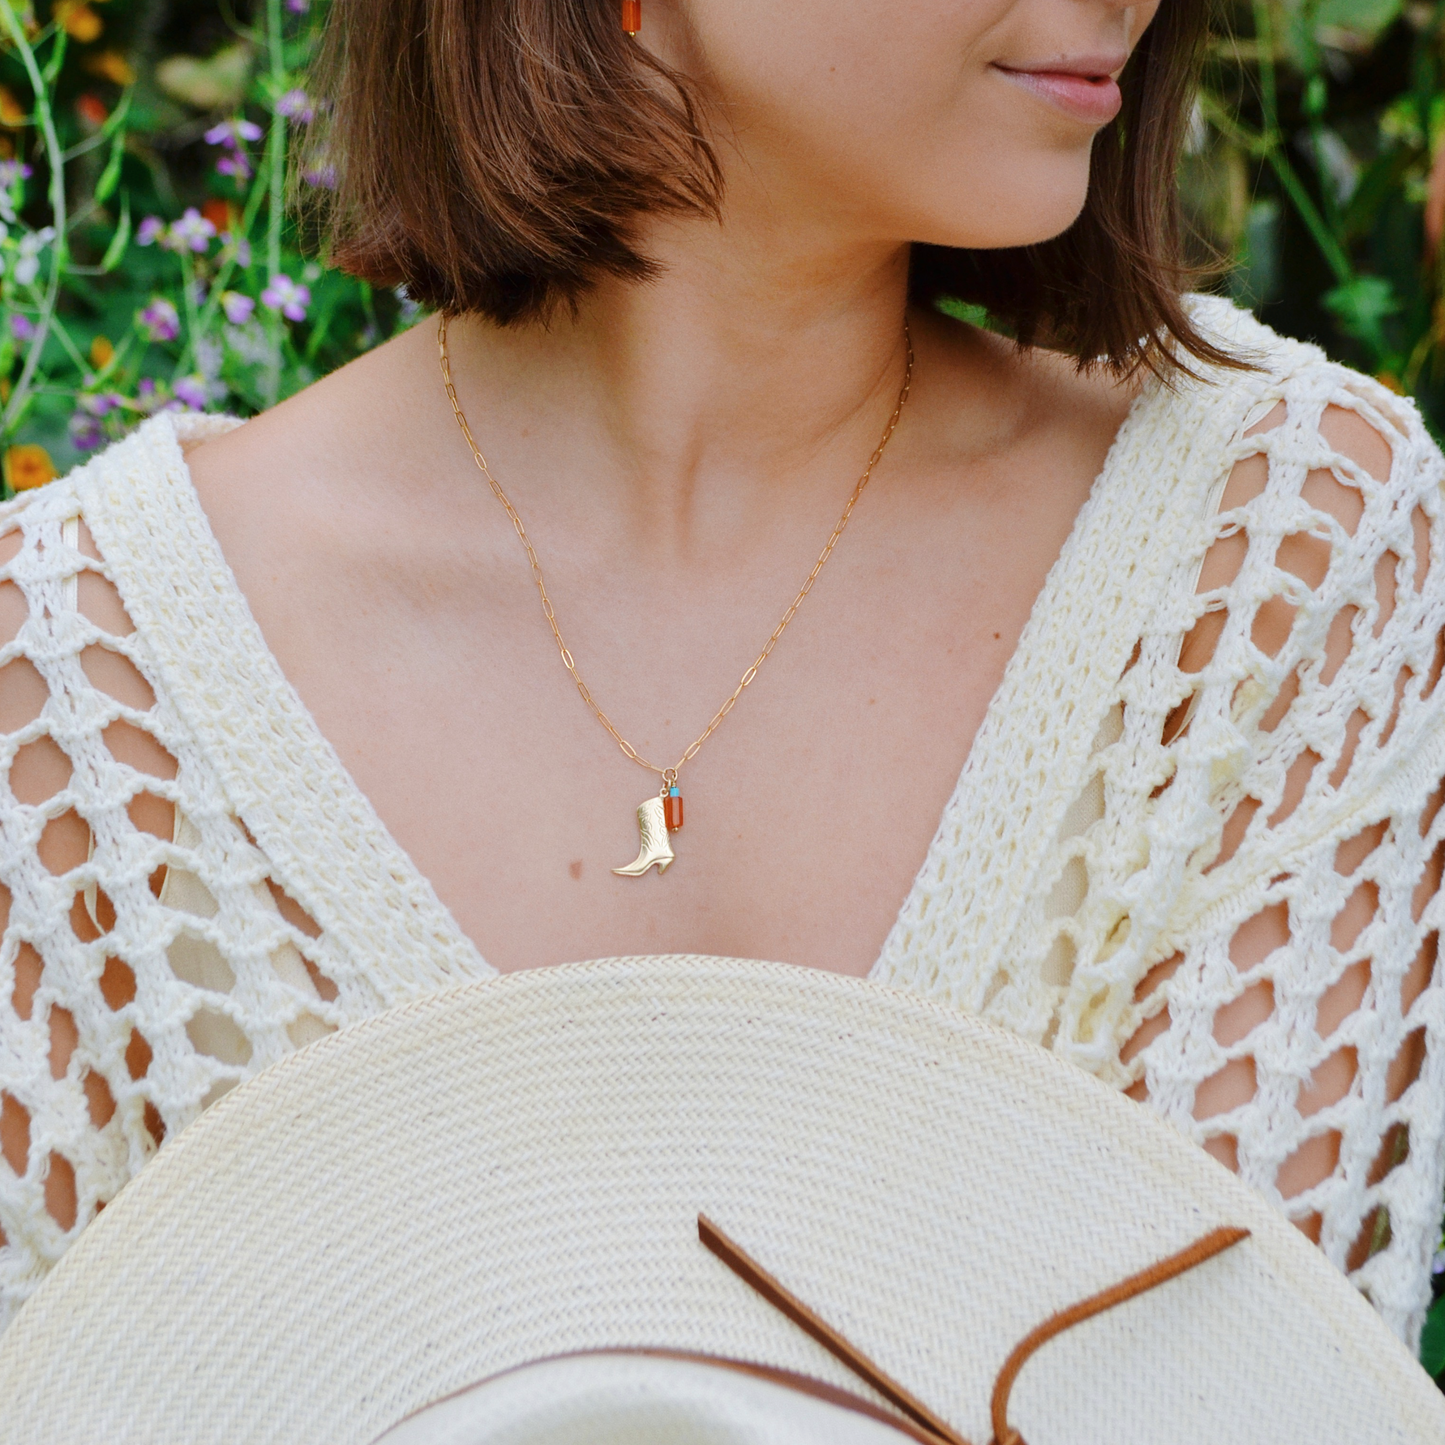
(200, 888)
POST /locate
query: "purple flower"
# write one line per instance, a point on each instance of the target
(86, 433)
(193, 230)
(298, 7)
(22, 328)
(236, 164)
(296, 105)
(149, 231)
(285, 296)
(190, 391)
(12, 171)
(101, 403)
(323, 175)
(238, 308)
(160, 321)
(149, 399)
(231, 133)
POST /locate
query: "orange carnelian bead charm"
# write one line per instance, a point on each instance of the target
(632, 16)
(672, 809)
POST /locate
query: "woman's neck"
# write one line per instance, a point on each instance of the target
(752, 363)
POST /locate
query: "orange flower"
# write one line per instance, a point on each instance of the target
(102, 353)
(28, 466)
(221, 214)
(111, 65)
(12, 113)
(79, 21)
(91, 109)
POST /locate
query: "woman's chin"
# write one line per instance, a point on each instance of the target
(992, 233)
(1033, 204)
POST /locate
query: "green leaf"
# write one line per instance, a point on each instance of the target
(1379, 183)
(120, 240)
(116, 118)
(969, 311)
(1255, 280)
(1361, 306)
(57, 57)
(110, 176)
(1362, 18)
(1432, 1340)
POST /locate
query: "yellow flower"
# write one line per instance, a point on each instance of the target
(28, 466)
(79, 21)
(1390, 382)
(101, 353)
(111, 65)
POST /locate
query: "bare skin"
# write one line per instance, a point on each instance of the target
(679, 452)
(390, 585)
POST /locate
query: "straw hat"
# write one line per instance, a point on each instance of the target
(489, 1199)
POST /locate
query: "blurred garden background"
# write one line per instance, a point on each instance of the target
(147, 259)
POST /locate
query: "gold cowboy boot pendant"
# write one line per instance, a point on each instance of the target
(656, 818)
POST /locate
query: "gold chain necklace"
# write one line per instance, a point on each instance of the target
(658, 816)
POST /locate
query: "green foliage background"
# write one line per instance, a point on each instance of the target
(139, 274)
(119, 97)
(1316, 172)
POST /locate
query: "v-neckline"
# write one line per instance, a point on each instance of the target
(289, 786)
(956, 926)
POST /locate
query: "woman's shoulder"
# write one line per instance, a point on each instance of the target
(130, 471)
(1309, 390)
(361, 421)
(155, 502)
(1282, 408)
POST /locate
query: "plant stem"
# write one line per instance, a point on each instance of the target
(276, 158)
(1274, 149)
(1309, 213)
(58, 330)
(55, 159)
(242, 232)
(1268, 90)
(188, 299)
(1410, 377)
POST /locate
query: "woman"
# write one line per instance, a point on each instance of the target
(291, 740)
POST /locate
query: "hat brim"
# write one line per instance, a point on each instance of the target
(650, 1398)
(513, 1170)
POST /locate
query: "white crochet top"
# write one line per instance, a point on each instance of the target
(1085, 844)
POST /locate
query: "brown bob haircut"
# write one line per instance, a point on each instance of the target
(495, 156)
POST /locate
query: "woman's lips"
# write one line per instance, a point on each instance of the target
(1093, 99)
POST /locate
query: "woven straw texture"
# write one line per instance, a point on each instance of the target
(512, 1170)
(191, 886)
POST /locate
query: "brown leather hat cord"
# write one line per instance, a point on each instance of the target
(755, 1276)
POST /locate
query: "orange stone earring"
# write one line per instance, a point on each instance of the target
(632, 16)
